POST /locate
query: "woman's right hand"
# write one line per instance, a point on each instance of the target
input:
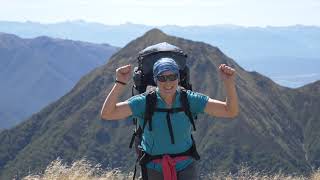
(123, 73)
(112, 109)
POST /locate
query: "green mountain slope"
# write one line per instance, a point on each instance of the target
(35, 72)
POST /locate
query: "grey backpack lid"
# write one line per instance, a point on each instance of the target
(151, 54)
(161, 47)
(143, 74)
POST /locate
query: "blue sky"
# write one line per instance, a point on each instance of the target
(166, 12)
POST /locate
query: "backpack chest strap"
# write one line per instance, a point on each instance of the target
(168, 111)
(172, 110)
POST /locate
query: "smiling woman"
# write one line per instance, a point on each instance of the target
(166, 148)
(166, 73)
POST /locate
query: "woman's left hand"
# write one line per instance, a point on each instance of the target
(226, 72)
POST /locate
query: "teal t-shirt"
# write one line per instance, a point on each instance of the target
(158, 140)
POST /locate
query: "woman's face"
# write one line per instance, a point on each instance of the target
(168, 88)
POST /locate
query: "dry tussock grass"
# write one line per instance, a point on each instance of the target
(79, 170)
(84, 170)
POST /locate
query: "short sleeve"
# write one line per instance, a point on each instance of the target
(137, 105)
(197, 101)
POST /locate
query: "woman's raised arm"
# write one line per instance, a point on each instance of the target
(112, 109)
(229, 108)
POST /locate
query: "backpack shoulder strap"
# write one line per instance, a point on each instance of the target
(151, 104)
(186, 106)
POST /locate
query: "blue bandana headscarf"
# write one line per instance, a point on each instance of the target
(164, 64)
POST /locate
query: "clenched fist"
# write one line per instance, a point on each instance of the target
(227, 72)
(123, 73)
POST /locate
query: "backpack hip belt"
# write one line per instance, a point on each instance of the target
(192, 152)
(144, 158)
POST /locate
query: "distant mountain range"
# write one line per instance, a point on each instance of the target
(277, 52)
(277, 128)
(35, 72)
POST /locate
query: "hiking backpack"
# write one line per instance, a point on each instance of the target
(143, 77)
(143, 73)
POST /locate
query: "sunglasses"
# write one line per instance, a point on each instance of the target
(170, 77)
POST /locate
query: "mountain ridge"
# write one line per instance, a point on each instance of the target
(30, 68)
(271, 48)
